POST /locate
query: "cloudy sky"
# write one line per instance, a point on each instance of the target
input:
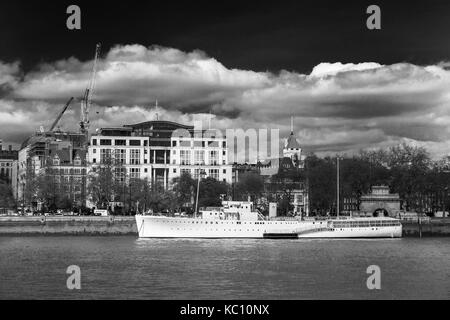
(251, 66)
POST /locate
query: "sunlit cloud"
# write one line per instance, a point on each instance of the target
(337, 107)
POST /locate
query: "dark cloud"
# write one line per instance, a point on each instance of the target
(338, 107)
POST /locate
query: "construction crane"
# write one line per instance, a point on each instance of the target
(86, 101)
(60, 114)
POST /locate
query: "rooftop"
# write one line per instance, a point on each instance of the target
(292, 142)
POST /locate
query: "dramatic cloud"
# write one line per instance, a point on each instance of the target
(337, 107)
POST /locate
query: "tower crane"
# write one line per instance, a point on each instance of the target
(86, 101)
(60, 114)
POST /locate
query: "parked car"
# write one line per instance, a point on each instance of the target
(101, 212)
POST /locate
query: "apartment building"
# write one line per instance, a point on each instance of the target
(153, 150)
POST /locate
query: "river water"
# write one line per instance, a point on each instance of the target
(125, 267)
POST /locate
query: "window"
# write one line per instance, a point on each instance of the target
(135, 172)
(196, 173)
(174, 170)
(213, 157)
(105, 155)
(224, 145)
(135, 156)
(199, 157)
(120, 156)
(185, 157)
(184, 171)
(94, 150)
(145, 170)
(224, 171)
(186, 143)
(105, 142)
(121, 142)
(214, 173)
(120, 174)
(94, 160)
(94, 142)
(135, 142)
(77, 161)
(174, 143)
(56, 161)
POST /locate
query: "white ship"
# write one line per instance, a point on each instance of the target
(238, 220)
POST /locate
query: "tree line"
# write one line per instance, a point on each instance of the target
(110, 183)
(422, 183)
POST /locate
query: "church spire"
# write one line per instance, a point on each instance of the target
(292, 125)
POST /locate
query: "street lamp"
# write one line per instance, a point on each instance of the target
(337, 186)
(200, 173)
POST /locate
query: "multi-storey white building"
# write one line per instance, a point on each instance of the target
(151, 150)
(196, 154)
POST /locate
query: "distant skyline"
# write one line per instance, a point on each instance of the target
(252, 65)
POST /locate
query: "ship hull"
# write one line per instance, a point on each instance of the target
(384, 232)
(170, 227)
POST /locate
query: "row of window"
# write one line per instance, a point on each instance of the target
(135, 156)
(57, 162)
(136, 172)
(231, 222)
(4, 171)
(199, 157)
(68, 171)
(118, 142)
(213, 173)
(365, 224)
(211, 144)
(135, 142)
(218, 229)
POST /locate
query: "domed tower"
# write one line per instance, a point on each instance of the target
(292, 147)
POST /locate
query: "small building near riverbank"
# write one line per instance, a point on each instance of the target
(380, 202)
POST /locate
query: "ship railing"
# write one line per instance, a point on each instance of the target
(260, 215)
(282, 218)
